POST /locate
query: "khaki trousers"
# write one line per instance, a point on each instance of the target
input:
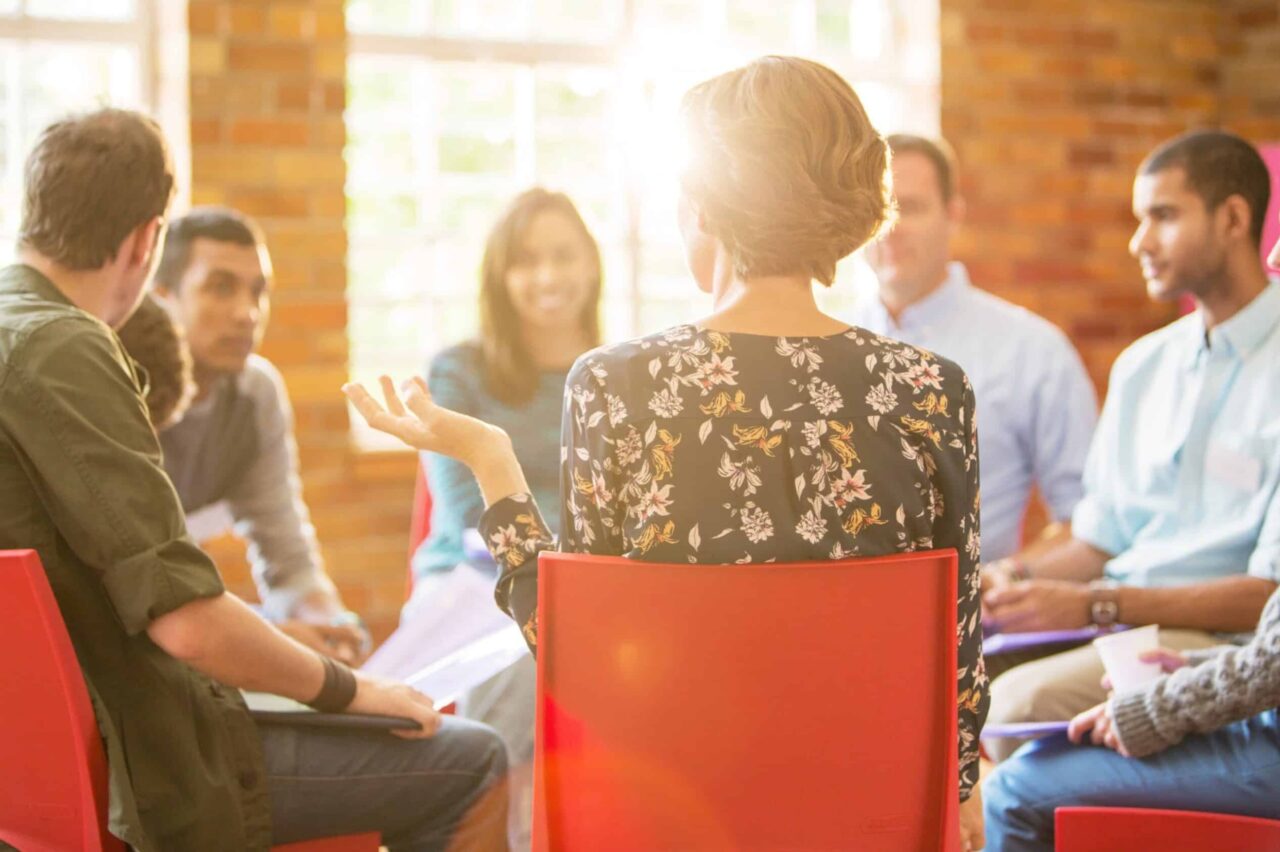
(1058, 686)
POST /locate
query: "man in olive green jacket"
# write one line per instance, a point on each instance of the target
(163, 647)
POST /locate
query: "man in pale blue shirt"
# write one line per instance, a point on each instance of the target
(1180, 523)
(1036, 406)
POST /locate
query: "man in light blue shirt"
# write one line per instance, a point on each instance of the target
(1180, 523)
(1036, 406)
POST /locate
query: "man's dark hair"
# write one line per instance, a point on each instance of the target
(221, 224)
(89, 182)
(1217, 166)
(937, 152)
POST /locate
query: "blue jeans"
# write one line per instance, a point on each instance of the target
(1235, 769)
(445, 791)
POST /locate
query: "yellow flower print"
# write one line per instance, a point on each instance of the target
(663, 453)
(922, 427)
(841, 443)
(652, 536)
(861, 519)
(933, 404)
(530, 630)
(719, 342)
(757, 436)
(969, 700)
(582, 485)
(722, 404)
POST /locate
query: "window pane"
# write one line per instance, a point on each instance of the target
(387, 16)
(436, 148)
(99, 10)
(8, 7)
(761, 26)
(481, 18)
(41, 81)
(574, 20)
(59, 78)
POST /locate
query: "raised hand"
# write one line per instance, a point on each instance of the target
(424, 425)
(421, 423)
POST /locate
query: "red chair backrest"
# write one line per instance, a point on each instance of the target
(1149, 830)
(419, 521)
(53, 786)
(716, 707)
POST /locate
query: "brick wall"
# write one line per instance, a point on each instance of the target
(1051, 106)
(1251, 68)
(267, 90)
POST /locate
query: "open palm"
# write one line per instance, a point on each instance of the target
(420, 422)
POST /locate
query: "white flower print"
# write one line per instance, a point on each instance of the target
(582, 526)
(825, 397)
(882, 399)
(718, 371)
(617, 409)
(812, 527)
(653, 502)
(925, 374)
(666, 404)
(851, 486)
(503, 540)
(813, 432)
(757, 525)
(629, 448)
(802, 354)
(743, 474)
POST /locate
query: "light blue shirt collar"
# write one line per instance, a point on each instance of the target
(1241, 334)
(936, 307)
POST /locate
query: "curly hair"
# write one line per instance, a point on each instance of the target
(157, 344)
(785, 167)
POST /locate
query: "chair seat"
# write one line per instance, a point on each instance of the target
(1150, 830)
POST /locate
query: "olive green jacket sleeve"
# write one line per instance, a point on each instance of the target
(72, 404)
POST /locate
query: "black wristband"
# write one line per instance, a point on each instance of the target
(338, 690)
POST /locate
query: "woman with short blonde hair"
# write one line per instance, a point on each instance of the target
(766, 430)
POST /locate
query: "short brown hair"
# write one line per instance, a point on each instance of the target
(936, 151)
(157, 344)
(220, 224)
(786, 169)
(89, 182)
(1217, 166)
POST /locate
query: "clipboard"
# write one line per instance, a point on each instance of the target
(267, 709)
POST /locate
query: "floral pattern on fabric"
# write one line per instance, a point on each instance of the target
(701, 446)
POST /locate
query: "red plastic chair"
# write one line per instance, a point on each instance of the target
(746, 707)
(53, 787)
(419, 521)
(1149, 830)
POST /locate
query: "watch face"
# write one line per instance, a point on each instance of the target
(1104, 612)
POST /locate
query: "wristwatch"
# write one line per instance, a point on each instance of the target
(1104, 603)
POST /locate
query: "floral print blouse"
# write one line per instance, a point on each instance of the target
(692, 445)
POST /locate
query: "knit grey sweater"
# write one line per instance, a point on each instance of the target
(1221, 685)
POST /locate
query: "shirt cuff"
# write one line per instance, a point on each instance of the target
(158, 581)
(514, 531)
(1090, 524)
(1134, 724)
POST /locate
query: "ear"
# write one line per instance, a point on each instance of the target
(956, 210)
(1236, 218)
(144, 241)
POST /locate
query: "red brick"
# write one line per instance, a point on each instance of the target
(273, 57)
(275, 132)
